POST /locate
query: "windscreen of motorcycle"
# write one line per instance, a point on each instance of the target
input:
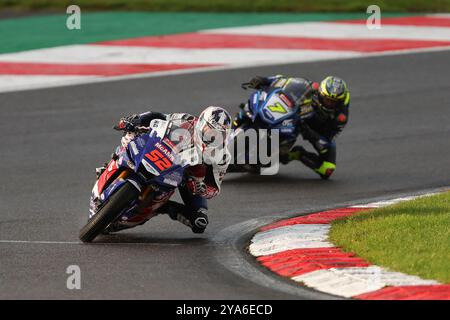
(159, 152)
(277, 108)
(180, 139)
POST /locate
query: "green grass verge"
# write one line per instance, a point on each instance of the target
(237, 5)
(412, 237)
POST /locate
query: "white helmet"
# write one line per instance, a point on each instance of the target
(213, 127)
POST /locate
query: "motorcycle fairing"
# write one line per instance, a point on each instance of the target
(104, 178)
(158, 157)
(274, 109)
(287, 129)
(254, 103)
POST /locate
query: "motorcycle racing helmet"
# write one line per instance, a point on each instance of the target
(213, 127)
(299, 91)
(333, 92)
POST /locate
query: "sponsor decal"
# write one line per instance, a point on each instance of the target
(263, 96)
(306, 109)
(255, 98)
(279, 83)
(159, 127)
(149, 167)
(277, 107)
(135, 150)
(286, 100)
(140, 142)
(159, 159)
(169, 143)
(165, 151)
(173, 178)
(342, 118)
(287, 123)
(155, 123)
(131, 165)
(268, 114)
(287, 130)
(112, 166)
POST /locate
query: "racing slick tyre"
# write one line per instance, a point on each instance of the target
(109, 212)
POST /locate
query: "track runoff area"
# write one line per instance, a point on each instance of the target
(24, 70)
(219, 48)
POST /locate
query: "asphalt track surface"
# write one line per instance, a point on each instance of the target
(397, 141)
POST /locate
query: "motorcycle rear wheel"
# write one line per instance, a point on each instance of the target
(109, 212)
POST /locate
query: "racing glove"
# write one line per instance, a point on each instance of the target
(258, 82)
(195, 177)
(308, 133)
(320, 144)
(128, 123)
(197, 186)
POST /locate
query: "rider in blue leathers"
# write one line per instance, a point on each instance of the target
(319, 121)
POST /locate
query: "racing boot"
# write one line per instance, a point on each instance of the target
(197, 220)
(323, 168)
(294, 154)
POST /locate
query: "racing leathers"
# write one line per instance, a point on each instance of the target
(202, 180)
(317, 126)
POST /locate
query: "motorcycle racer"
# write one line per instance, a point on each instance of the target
(202, 180)
(327, 115)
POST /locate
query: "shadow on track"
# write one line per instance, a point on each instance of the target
(248, 178)
(130, 238)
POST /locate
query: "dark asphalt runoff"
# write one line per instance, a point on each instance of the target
(397, 141)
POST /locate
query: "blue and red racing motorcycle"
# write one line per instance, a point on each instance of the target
(279, 108)
(139, 179)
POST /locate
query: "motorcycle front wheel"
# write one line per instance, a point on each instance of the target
(109, 212)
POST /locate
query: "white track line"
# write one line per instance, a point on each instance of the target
(16, 82)
(39, 242)
(88, 54)
(81, 243)
(93, 80)
(230, 58)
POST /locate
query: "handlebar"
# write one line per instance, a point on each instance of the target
(142, 128)
(138, 129)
